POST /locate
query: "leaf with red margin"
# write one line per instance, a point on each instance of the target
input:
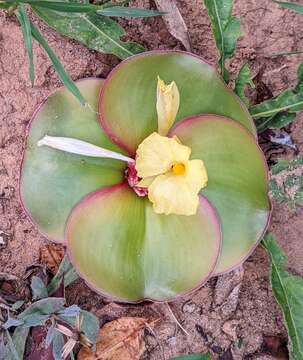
(52, 181)
(237, 185)
(127, 104)
(123, 249)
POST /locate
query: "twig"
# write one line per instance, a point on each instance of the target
(176, 320)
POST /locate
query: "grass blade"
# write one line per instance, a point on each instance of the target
(27, 36)
(63, 6)
(193, 357)
(288, 290)
(74, 7)
(226, 30)
(289, 5)
(123, 11)
(66, 79)
(285, 53)
(71, 7)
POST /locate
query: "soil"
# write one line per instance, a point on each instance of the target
(234, 316)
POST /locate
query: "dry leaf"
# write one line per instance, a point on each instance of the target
(118, 339)
(51, 255)
(174, 21)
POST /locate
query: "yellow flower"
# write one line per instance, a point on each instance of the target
(173, 181)
(168, 100)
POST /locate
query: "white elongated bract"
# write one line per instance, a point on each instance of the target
(80, 147)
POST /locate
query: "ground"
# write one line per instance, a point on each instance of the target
(234, 316)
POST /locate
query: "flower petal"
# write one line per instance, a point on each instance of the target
(146, 182)
(156, 154)
(196, 175)
(168, 102)
(171, 194)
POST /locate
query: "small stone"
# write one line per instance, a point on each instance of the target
(189, 307)
(1, 239)
(4, 239)
(230, 328)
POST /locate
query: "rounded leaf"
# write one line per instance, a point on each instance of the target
(237, 181)
(125, 250)
(127, 103)
(52, 181)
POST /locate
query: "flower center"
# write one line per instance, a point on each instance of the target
(133, 179)
(178, 169)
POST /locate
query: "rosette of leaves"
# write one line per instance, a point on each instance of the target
(115, 239)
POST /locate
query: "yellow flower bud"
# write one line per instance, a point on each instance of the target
(168, 101)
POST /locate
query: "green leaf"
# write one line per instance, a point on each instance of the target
(89, 324)
(290, 185)
(96, 32)
(280, 110)
(11, 322)
(230, 155)
(290, 5)
(243, 79)
(27, 36)
(226, 30)
(140, 260)
(275, 122)
(58, 344)
(18, 341)
(66, 272)
(277, 192)
(299, 86)
(4, 5)
(128, 12)
(70, 311)
(42, 308)
(286, 164)
(134, 83)
(17, 305)
(288, 100)
(75, 176)
(51, 332)
(38, 288)
(288, 290)
(193, 357)
(61, 6)
(13, 353)
(66, 79)
(74, 7)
